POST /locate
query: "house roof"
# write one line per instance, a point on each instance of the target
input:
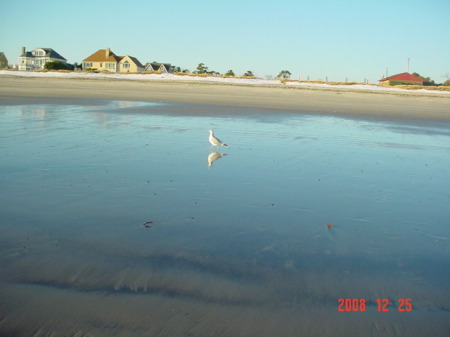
(49, 52)
(155, 65)
(136, 61)
(403, 77)
(100, 56)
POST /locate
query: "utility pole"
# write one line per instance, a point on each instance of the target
(408, 64)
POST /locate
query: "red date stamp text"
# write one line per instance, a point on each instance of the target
(360, 304)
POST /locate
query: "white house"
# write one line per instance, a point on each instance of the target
(163, 68)
(37, 58)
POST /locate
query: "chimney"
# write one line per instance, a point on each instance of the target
(23, 51)
(108, 51)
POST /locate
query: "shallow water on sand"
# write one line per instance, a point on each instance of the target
(117, 219)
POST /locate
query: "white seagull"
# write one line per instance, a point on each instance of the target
(215, 141)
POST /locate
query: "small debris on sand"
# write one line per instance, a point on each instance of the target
(147, 224)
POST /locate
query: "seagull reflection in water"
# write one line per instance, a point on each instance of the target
(213, 156)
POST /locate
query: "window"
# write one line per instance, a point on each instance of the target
(126, 65)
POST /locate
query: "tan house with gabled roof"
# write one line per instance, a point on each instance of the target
(106, 60)
(130, 64)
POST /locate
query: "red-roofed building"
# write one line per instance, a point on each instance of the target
(403, 78)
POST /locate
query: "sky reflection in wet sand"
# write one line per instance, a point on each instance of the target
(116, 215)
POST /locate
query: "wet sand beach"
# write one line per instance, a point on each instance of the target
(118, 219)
(396, 106)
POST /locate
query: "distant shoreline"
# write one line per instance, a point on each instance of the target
(402, 105)
(239, 81)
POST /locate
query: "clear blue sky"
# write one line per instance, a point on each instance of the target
(334, 39)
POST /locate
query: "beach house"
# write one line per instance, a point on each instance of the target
(106, 60)
(162, 68)
(37, 58)
(3, 60)
(403, 78)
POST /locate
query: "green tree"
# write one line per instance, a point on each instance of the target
(201, 69)
(230, 73)
(447, 79)
(284, 74)
(426, 80)
(55, 65)
(249, 73)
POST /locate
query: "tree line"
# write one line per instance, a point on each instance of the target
(202, 69)
(429, 82)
